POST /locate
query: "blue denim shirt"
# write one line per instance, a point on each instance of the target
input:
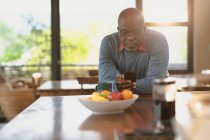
(149, 64)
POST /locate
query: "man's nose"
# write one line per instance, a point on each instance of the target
(130, 36)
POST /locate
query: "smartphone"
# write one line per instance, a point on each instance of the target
(130, 76)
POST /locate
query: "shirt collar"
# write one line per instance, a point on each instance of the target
(141, 48)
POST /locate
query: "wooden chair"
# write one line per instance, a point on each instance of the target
(14, 84)
(13, 102)
(87, 80)
(14, 99)
(93, 72)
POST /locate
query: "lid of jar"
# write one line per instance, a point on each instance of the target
(164, 81)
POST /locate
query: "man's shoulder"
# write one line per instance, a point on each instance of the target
(111, 40)
(155, 39)
(113, 36)
(154, 34)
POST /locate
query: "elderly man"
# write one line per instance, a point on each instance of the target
(134, 48)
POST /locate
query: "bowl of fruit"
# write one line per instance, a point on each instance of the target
(107, 102)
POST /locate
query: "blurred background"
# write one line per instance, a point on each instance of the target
(61, 38)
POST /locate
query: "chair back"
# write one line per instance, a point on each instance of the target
(36, 78)
(87, 80)
(13, 102)
(93, 72)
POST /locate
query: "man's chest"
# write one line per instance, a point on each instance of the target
(132, 61)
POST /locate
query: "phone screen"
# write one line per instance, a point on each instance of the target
(130, 76)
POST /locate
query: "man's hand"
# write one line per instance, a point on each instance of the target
(124, 84)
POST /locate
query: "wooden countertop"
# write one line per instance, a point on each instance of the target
(63, 117)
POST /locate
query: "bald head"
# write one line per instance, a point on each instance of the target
(130, 17)
(131, 28)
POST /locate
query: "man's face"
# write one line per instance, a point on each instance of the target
(131, 33)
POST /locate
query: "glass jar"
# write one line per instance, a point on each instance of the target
(163, 93)
(164, 89)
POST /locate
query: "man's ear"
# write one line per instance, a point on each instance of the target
(118, 28)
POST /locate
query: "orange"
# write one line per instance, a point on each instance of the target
(127, 94)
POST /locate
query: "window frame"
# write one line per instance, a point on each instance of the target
(56, 73)
(189, 25)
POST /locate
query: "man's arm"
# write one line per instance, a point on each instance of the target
(158, 64)
(107, 68)
(107, 65)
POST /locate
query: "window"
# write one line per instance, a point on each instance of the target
(25, 35)
(25, 31)
(171, 18)
(83, 25)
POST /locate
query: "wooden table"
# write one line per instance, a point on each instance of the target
(64, 118)
(64, 87)
(72, 87)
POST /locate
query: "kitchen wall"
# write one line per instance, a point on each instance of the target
(201, 35)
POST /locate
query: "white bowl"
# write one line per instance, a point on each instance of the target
(109, 107)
